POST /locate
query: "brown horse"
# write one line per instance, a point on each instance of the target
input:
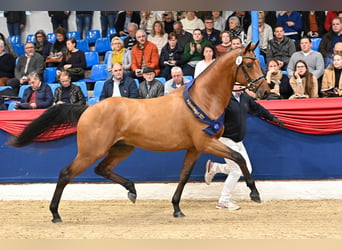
(112, 128)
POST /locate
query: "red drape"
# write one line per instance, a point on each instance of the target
(13, 122)
(309, 116)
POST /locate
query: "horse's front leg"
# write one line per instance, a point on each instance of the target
(219, 149)
(189, 161)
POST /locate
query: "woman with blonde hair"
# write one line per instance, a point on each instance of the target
(158, 35)
(304, 84)
(121, 55)
(332, 78)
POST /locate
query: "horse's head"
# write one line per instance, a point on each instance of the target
(249, 73)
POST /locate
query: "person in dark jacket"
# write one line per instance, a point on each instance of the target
(7, 64)
(150, 87)
(119, 85)
(42, 46)
(234, 132)
(16, 21)
(123, 19)
(68, 92)
(59, 19)
(37, 96)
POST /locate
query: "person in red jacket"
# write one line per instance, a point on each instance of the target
(144, 54)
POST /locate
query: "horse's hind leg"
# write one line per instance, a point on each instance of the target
(189, 162)
(116, 154)
(66, 175)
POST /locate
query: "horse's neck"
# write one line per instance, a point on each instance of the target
(212, 89)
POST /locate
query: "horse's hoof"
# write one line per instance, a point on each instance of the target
(255, 197)
(132, 197)
(178, 214)
(56, 220)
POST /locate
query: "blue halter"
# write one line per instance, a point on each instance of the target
(214, 125)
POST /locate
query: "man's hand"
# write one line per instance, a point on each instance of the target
(279, 122)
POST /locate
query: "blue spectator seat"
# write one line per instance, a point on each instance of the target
(92, 58)
(21, 94)
(53, 87)
(136, 82)
(92, 36)
(284, 72)
(5, 87)
(189, 77)
(74, 34)
(102, 45)
(14, 39)
(83, 87)
(51, 37)
(50, 74)
(97, 92)
(315, 43)
(110, 31)
(19, 48)
(262, 60)
(30, 38)
(123, 37)
(97, 73)
(106, 57)
(82, 45)
(161, 79)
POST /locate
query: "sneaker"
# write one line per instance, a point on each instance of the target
(209, 175)
(229, 205)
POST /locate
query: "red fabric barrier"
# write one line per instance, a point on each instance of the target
(310, 116)
(13, 122)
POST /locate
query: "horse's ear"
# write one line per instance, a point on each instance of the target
(248, 47)
(256, 45)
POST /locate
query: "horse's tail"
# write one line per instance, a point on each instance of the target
(56, 116)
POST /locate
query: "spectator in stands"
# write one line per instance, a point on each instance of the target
(219, 21)
(210, 33)
(193, 52)
(292, 23)
(183, 36)
(244, 20)
(328, 19)
(42, 46)
(158, 35)
(119, 54)
(125, 18)
(27, 63)
(329, 40)
(208, 55)
(171, 55)
(176, 81)
(7, 64)
(119, 84)
(147, 19)
(332, 78)
(8, 46)
(313, 59)
(235, 29)
(130, 40)
(73, 61)
(280, 47)
(313, 23)
(57, 49)
(225, 45)
(68, 92)
(16, 21)
(168, 21)
(191, 22)
(59, 19)
(271, 18)
(150, 87)
(279, 83)
(304, 84)
(107, 19)
(144, 54)
(236, 43)
(84, 21)
(265, 33)
(37, 96)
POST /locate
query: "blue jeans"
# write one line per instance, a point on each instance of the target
(328, 60)
(83, 23)
(13, 29)
(107, 22)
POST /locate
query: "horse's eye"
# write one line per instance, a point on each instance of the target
(249, 65)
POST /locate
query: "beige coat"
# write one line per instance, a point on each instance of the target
(328, 80)
(299, 88)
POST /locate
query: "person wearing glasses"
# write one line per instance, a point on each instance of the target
(42, 46)
(210, 33)
(27, 63)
